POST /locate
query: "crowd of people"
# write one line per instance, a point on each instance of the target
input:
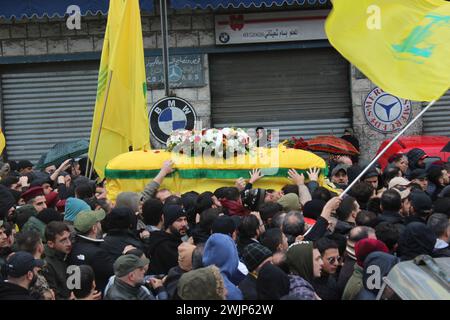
(62, 238)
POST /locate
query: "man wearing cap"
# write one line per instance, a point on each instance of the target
(86, 249)
(35, 196)
(416, 159)
(163, 245)
(421, 207)
(21, 268)
(419, 177)
(339, 176)
(130, 272)
(371, 177)
(402, 186)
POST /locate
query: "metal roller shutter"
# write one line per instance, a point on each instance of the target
(301, 92)
(43, 108)
(436, 121)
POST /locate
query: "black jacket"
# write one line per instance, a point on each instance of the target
(326, 287)
(391, 217)
(162, 251)
(89, 251)
(55, 272)
(171, 282)
(11, 291)
(343, 227)
(117, 240)
(248, 287)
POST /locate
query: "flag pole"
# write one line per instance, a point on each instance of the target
(100, 126)
(386, 148)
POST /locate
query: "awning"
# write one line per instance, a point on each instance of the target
(214, 4)
(20, 9)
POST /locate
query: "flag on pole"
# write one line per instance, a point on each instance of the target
(122, 89)
(2, 141)
(403, 46)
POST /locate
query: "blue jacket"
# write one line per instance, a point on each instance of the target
(221, 251)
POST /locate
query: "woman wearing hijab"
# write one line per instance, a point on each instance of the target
(305, 264)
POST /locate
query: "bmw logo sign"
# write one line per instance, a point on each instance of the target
(169, 114)
(386, 113)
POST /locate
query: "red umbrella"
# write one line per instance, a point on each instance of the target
(332, 144)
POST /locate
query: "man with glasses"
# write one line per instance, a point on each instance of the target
(326, 286)
(56, 251)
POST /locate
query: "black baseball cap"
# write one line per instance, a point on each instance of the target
(421, 201)
(20, 263)
(418, 174)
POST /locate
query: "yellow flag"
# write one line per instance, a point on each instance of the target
(122, 89)
(403, 46)
(2, 141)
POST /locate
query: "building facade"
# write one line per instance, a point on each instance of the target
(281, 74)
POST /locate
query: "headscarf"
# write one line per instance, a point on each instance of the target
(299, 258)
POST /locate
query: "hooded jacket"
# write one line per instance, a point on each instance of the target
(417, 239)
(299, 258)
(301, 289)
(385, 262)
(73, 207)
(162, 251)
(220, 250)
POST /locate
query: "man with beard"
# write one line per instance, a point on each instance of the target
(339, 176)
(22, 270)
(56, 250)
(163, 245)
(87, 251)
(130, 277)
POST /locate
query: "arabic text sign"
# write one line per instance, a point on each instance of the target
(185, 71)
(270, 27)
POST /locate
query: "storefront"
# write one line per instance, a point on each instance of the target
(291, 80)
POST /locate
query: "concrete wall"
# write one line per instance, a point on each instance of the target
(370, 139)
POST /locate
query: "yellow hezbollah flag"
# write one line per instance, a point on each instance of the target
(2, 141)
(403, 46)
(122, 88)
